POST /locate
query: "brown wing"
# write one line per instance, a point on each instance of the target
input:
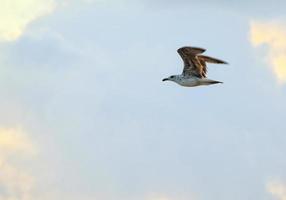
(211, 59)
(207, 59)
(192, 65)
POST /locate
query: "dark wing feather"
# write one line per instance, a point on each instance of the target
(207, 59)
(193, 50)
(211, 59)
(192, 65)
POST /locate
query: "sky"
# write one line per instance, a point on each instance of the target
(85, 114)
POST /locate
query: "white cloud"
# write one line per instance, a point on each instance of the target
(13, 140)
(277, 189)
(272, 35)
(15, 15)
(15, 182)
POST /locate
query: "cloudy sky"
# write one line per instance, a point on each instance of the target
(84, 113)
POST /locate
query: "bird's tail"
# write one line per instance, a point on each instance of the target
(207, 81)
(215, 82)
(211, 60)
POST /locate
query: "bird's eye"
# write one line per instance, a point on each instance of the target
(172, 76)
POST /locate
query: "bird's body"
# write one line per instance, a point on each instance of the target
(187, 81)
(192, 81)
(195, 69)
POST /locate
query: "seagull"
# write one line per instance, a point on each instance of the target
(195, 68)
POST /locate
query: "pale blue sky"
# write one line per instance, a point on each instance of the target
(84, 84)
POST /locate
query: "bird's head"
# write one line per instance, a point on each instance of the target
(171, 78)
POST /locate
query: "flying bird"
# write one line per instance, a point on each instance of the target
(195, 68)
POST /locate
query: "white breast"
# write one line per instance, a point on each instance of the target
(188, 82)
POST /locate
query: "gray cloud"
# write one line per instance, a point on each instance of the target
(253, 8)
(117, 132)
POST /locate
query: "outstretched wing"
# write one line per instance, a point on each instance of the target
(192, 65)
(211, 59)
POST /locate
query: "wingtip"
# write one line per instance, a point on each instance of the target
(223, 62)
(194, 50)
